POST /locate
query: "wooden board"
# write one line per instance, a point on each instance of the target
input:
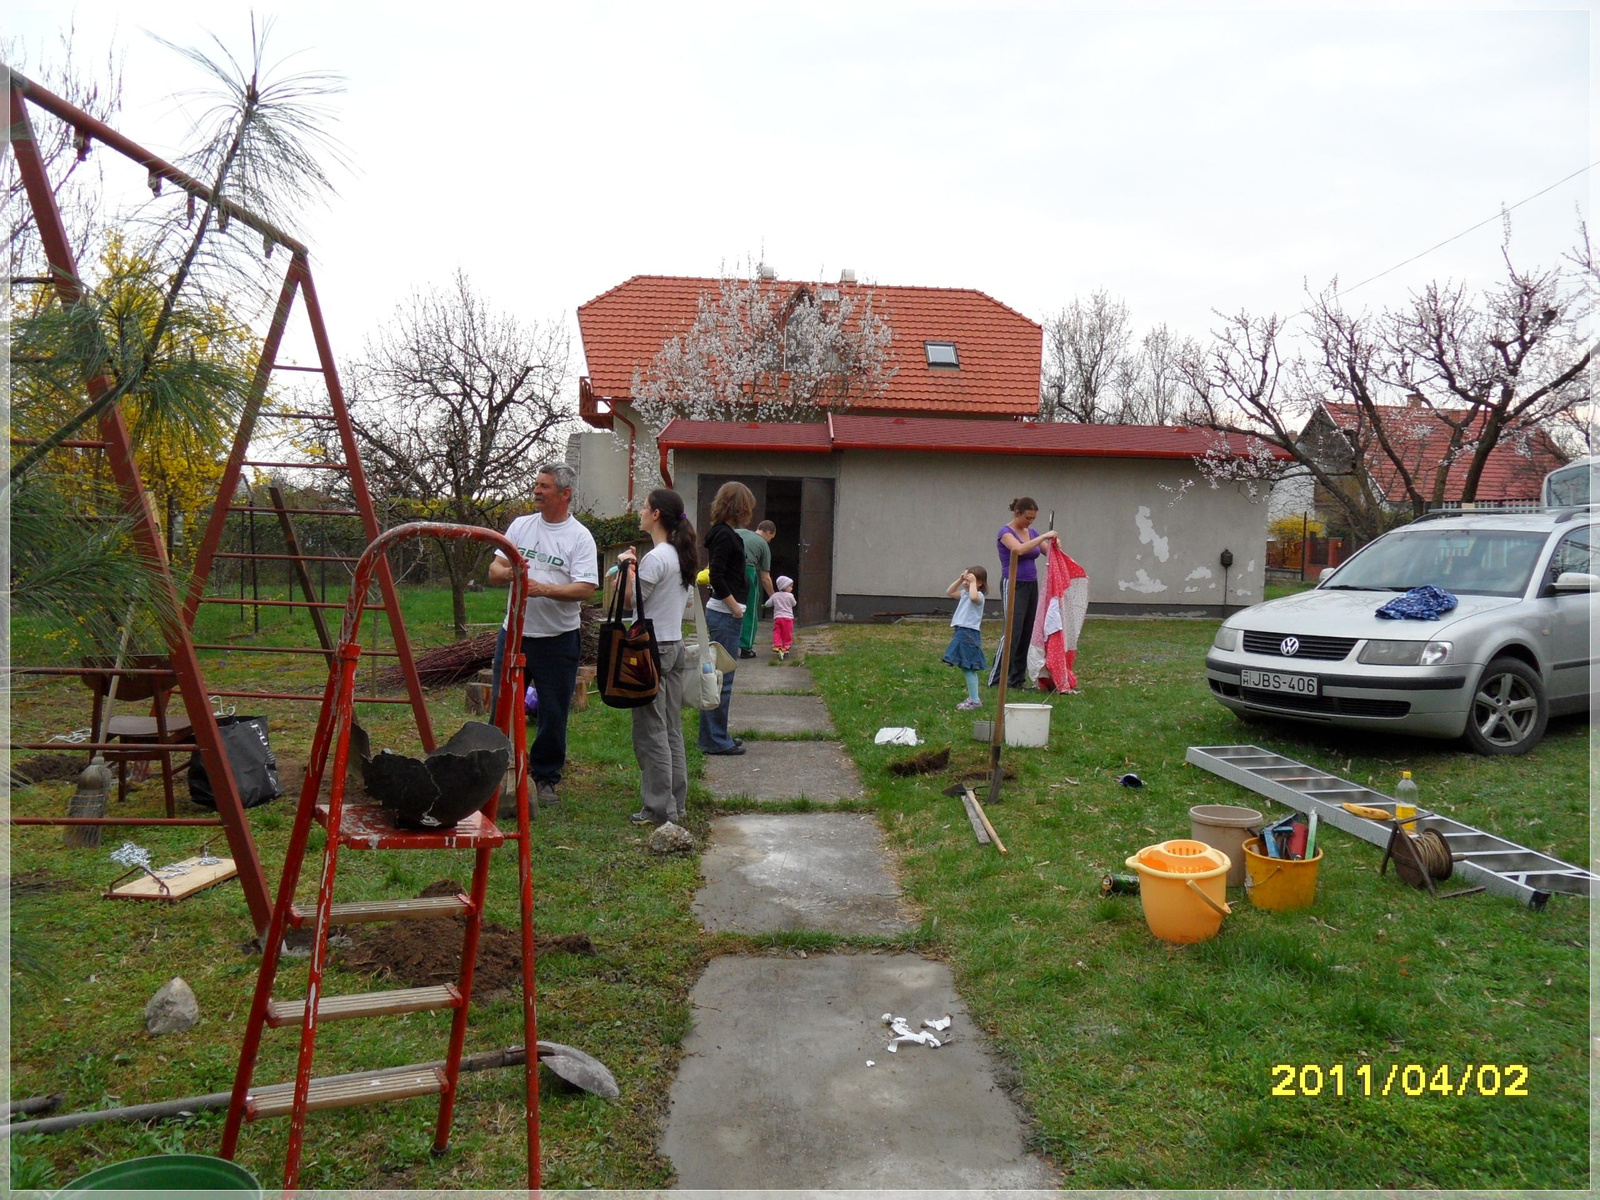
(978, 830)
(195, 879)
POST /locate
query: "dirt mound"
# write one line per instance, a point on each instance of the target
(424, 953)
(43, 768)
(925, 763)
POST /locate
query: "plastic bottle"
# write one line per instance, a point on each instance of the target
(1405, 797)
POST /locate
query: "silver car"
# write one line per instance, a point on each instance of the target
(1512, 653)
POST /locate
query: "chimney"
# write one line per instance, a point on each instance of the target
(847, 275)
(766, 272)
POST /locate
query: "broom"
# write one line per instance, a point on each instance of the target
(94, 781)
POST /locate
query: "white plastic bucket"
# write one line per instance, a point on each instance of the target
(1027, 724)
(1225, 827)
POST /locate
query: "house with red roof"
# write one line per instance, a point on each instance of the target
(1344, 439)
(879, 505)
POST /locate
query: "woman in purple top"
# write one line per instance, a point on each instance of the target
(1020, 536)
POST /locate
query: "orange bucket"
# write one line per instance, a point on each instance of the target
(1279, 884)
(1183, 888)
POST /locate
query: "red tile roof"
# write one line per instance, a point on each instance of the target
(934, 434)
(1000, 350)
(1515, 470)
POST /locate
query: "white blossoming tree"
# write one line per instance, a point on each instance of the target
(765, 351)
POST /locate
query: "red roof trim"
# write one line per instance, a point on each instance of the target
(947, 435)
(808, 438)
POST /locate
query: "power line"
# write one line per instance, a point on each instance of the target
(1497, 216)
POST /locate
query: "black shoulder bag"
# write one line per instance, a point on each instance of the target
(629, 674)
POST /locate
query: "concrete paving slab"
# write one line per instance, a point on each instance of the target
(757, 677)
(768, 771)
(779, 714)
(769, 873)
(774, 1090)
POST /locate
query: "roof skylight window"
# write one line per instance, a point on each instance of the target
(941, 354)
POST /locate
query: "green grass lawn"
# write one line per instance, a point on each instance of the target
(1140, 1064)
(1150, 1065)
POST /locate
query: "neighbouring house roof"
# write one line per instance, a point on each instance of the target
(999, 349)
(948, 435)
(1515, 469)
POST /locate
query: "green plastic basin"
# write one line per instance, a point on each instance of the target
(167, 1173)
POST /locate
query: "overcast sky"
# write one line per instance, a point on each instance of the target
(1188, 160)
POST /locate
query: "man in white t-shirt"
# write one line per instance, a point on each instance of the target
(563, 572)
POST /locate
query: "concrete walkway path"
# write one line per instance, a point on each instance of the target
(772, 873)
(771, 771)
(786, 1080)
(753, 678)
(789, 715)
(775, 1090)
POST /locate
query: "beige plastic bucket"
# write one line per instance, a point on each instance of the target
(1225, 826)
(1027, 724)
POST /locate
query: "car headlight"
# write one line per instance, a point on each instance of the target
(1435, 653)
(1226, 639)
(1404, 654)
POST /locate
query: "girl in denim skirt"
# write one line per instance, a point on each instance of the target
(966, 646)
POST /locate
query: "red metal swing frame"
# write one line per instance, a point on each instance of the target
(116, 443)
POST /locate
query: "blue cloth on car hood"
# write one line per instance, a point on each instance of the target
(1426, 603)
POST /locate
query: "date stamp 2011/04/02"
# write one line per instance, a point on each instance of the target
(1399, 1079)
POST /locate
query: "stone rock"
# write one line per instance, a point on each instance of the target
(173, 1009)
(671, 839)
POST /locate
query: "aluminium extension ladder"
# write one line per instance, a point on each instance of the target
(1485, 859)
(367, 827)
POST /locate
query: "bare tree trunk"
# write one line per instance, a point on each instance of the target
(1488, 439)
(457, 570)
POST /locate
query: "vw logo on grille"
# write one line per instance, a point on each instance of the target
(1290, 646)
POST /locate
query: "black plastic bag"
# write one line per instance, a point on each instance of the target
(255, 767)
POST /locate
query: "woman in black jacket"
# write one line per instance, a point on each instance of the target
(731, 510)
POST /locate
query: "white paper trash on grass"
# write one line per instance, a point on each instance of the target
(897, 735)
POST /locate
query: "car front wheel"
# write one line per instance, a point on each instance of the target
(1509, 712)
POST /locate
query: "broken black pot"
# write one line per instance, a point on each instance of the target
(453, 782)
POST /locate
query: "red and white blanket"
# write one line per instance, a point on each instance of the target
(1058, 622)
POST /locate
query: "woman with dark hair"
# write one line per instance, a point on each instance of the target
(665, 575)
(731, 509)
(1018, 534)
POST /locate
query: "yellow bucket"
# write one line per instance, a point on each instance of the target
(1279, 884)
(1183, 888)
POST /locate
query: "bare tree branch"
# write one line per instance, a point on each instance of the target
(454, 405)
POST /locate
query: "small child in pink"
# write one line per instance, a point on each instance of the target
(781, 602)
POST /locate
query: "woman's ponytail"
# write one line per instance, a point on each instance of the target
(680, 531)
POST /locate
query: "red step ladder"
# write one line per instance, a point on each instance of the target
(367, 827)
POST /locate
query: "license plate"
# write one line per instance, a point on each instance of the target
(1276, 681)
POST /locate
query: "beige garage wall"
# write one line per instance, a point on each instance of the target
(906, 523)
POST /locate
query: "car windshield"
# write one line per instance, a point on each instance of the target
(1477, 561)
